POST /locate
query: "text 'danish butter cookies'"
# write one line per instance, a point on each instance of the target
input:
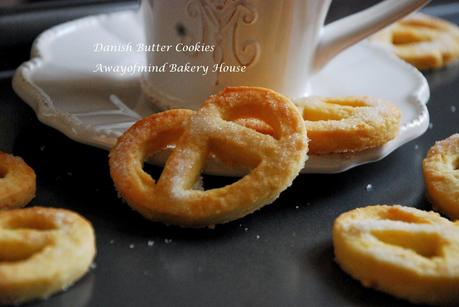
(275, 160)
(348, 124)
(17, 182)
(42, 251)
(441, 174)
(423, 41)
(406, 252)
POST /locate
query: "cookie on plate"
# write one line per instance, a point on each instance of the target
(348, 124)
(424, 41)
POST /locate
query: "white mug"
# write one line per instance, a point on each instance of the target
(276, 44)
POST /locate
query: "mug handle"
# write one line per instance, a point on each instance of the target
(349, 30)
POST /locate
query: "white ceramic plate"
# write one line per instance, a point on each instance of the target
(94, 108)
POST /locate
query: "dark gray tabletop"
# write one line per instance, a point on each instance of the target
(280, 256)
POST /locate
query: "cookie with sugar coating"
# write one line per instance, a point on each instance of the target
(348, 124)
(424, 41)
(441, 175)
(17, 182)
(42, 251)
(223, 127)
(403, 251)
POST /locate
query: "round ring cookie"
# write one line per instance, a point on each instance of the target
(275, 160)
(421, 40)
(406, 252)
(348, 124)
(17, 182)
(42, 251)
(441, 174)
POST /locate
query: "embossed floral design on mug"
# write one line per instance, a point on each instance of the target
(197, 47)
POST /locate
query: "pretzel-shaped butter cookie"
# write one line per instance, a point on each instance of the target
(348, 124)
(406, 252)
(42, 251)
(441, 174)
(17, 182)
(423, 41)
(276, 160)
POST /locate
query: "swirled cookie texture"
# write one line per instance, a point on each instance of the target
(17, 182)
(406, 252)
(441, 175)
(218, 128)
(424, 41)
(42, 251)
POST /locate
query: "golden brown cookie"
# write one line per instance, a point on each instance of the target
(17, 182)
(42, 251)
(421, 40)
(348, 124)
(406, 252)
(275, 160)
(441, 174)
